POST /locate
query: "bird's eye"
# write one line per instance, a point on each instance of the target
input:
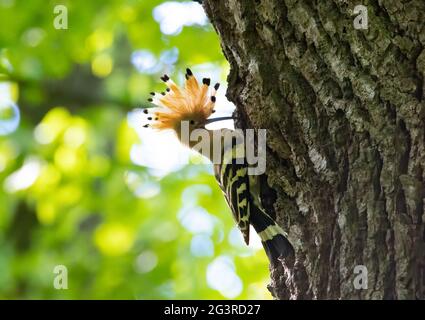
(192, 121)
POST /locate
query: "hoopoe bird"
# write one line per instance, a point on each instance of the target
(193, 104)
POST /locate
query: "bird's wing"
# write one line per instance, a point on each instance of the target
(234, 182)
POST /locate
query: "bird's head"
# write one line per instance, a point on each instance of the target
(191, 105)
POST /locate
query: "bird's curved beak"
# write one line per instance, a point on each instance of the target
(211, 120)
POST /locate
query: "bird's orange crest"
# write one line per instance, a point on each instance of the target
(195, 103)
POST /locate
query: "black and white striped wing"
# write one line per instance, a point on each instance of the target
(234, 182)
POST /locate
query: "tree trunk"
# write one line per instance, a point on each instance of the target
(345, 114)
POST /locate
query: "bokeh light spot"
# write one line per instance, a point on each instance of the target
(24, 177)
(197, 220)
(32, 37)
(113, 239)
(46, 212)
(66, 158)
(222, 277)
(169, 57)
(9, 111)
(127, 13)
(102, 65)
(52, 125)
(75, 135)
(146, 261)
(100, 40)
(141, 185)
(166, 231)
(144, 61)
(172, 16)
(202, 246)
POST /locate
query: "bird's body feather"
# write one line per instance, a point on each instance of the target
(241, 192)
(195, 103)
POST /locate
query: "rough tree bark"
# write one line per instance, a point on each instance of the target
(345, 111)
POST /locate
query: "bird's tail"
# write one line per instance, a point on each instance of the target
(272, 235)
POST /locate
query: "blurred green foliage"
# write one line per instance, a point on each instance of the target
(69, 190)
